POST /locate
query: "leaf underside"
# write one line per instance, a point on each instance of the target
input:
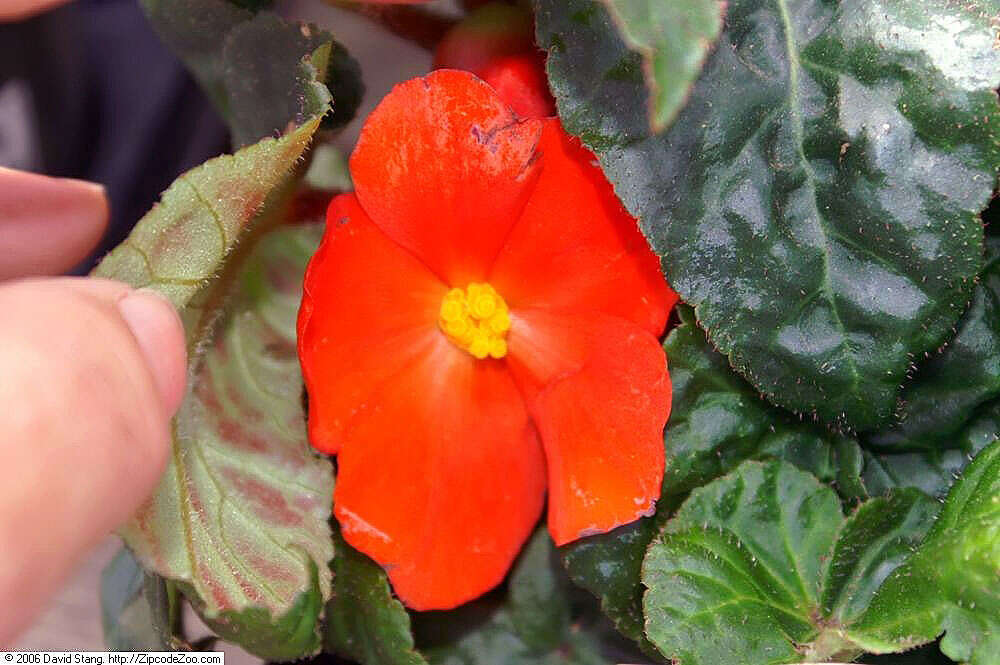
(816, 200)
(240, 516)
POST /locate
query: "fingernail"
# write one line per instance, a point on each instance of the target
(157, 328)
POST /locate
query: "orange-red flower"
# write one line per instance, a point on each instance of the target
(497, 43)
(479, 324)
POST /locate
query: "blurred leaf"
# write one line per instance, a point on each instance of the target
(268, 85)
(817, 197)
(195, 31)
(673, 40)
(536, 623)
(926, 655)
(135, 608)
(537, 595)
(240, 517)
(328, 170)
(952, 583)
(761, 566)
(364, 622)
(251, 64)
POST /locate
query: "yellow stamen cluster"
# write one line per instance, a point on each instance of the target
(476, 319)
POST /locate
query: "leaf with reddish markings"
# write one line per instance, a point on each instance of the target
(240, 518)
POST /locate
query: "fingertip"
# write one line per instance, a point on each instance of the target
(158, 330)
(48, 225)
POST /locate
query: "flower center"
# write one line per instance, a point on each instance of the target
(476, 319)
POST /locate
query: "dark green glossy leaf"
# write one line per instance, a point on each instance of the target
(673, 39)
(240, 516)
(537, 596)
(717, 420)
(954, 383)
(817, 197)
(364, 622)
(761, 567)
(250, 65)
(933, 471)
(952, 583)
(609, 566)
(135, 607)
(267, 86)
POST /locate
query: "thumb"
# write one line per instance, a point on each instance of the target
(91, 372)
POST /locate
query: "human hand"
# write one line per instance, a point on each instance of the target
(16, 10)
(91, 372)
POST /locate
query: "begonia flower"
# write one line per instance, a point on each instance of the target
(520, 82)
(480, 326)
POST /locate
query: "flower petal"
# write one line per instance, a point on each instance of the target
(444, 168)
(441, 478)
(576, 247)
(598, 390)
(520, 81)
(368, 309)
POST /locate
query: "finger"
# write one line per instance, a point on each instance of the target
(47, 225)
(90, 374)
(16, 10)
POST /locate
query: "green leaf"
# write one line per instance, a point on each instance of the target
(240, 516)
(817, 198)
(879, 536)
(135, 607)
(268, 85)
(952, 582)
(239, 520)
(535, 623)
(364, 622)
(252, 66)
(180, 246)
(952, 384)
(933, 471)
(287, 636)
(609, 565)
(717, 420)
(497, 642)
(673, 39)
(926, 655)
(761, 566)
(537, 596)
